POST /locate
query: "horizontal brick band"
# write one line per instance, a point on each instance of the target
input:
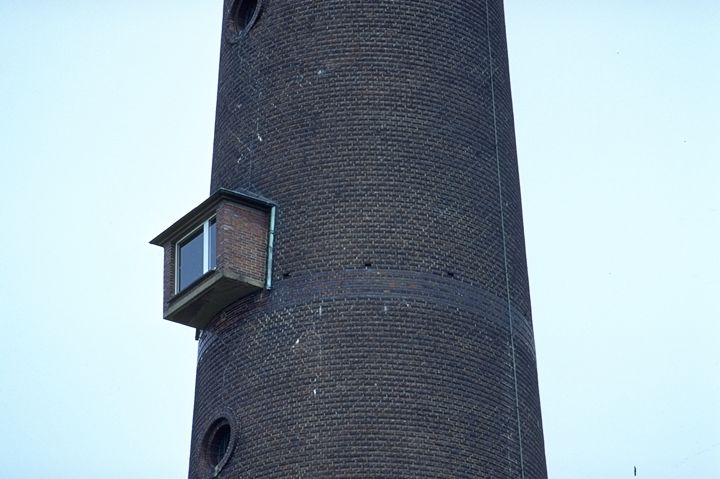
(391, 287)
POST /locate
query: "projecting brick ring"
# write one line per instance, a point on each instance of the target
(397, 287)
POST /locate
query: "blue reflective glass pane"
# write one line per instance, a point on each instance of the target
(190, 260)
(212, 241)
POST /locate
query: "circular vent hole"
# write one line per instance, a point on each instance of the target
(242, 14)
(219, 444)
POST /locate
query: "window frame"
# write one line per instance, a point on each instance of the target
(205, 227)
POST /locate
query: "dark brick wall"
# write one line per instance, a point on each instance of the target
(242, 237)
(168, 273)
(383, 130)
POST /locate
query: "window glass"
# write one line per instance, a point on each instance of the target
(190, 261)
(212, 250)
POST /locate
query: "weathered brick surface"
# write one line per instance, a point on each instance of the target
(383, 130)
(168, 273)
(242, 237)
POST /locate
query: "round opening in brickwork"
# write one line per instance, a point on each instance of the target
(217, 445)
(243, 14)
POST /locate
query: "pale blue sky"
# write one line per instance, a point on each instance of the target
(106, 120)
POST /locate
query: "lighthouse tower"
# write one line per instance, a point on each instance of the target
(357, 276)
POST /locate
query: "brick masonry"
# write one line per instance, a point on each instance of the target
(242, 239)
(397, 339)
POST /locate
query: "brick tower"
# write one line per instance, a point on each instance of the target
(357, 276)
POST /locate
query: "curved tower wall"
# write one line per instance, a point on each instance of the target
(397, 338)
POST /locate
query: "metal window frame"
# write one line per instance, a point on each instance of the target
(205, 227)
